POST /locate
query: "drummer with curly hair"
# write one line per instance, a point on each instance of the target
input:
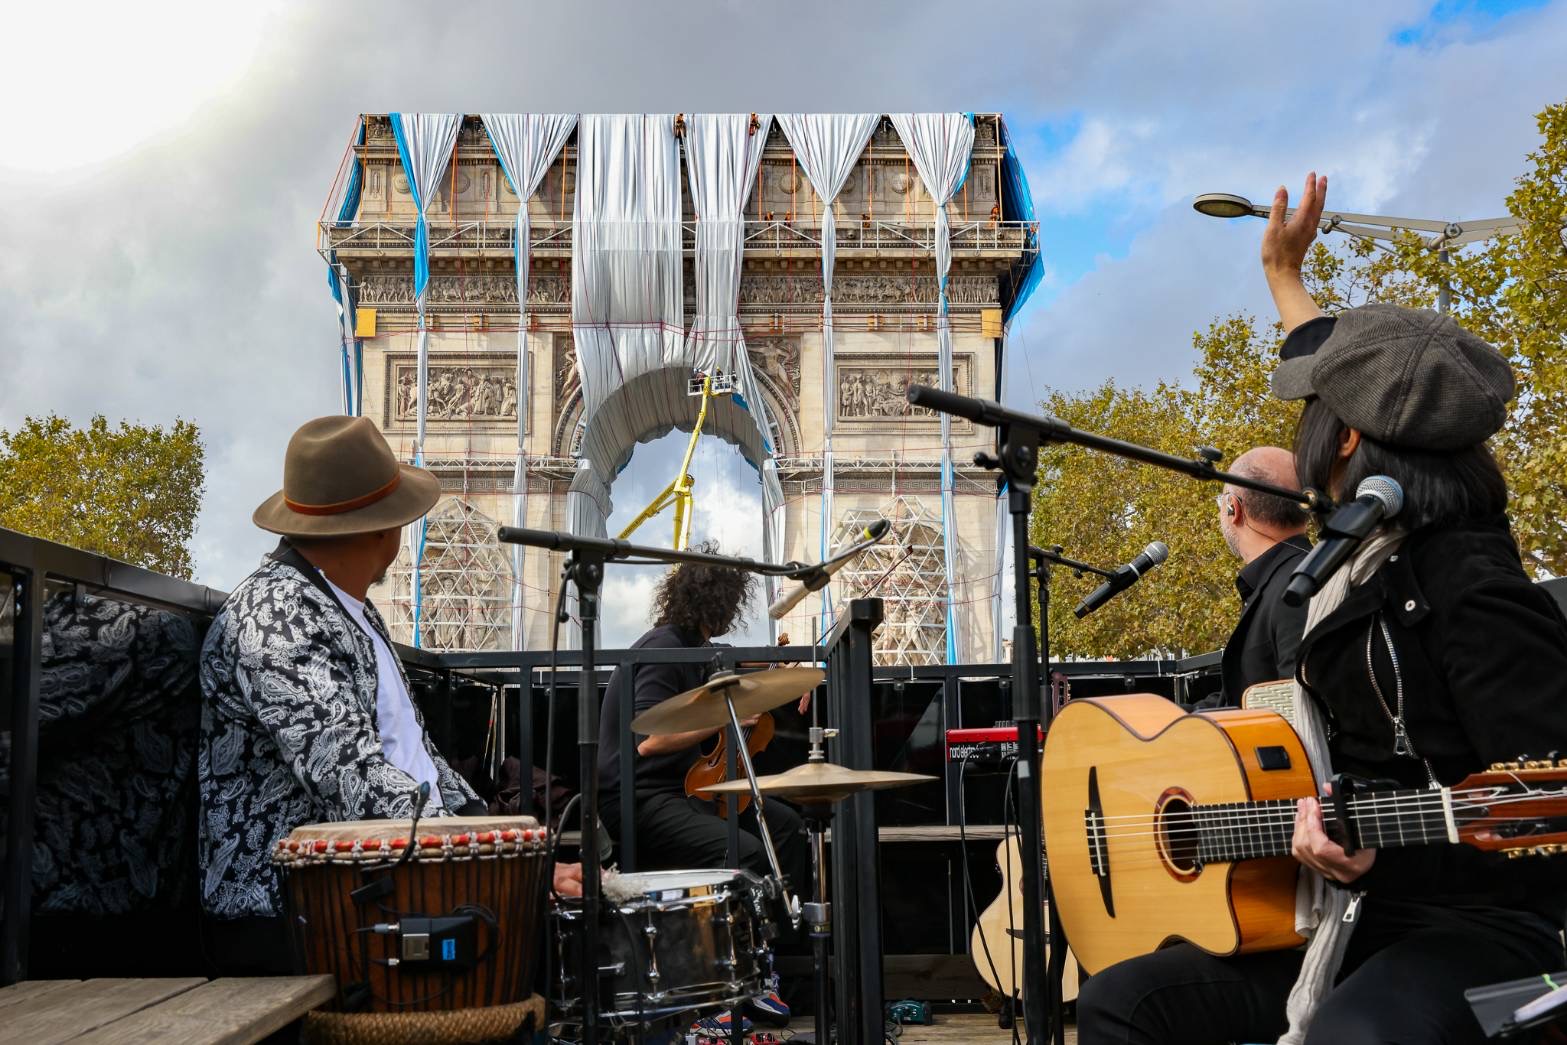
(692, 605)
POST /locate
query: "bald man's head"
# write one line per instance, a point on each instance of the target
(1275, 466)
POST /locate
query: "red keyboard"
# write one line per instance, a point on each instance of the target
(988, 744)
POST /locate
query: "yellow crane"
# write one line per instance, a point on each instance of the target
(678, 492)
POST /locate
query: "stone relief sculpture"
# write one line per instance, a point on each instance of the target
(778, 358)
(869, 289)
(458, 392)
(869, 392)
(486, 288)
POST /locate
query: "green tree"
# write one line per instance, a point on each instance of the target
(130, 492)
(1510, 291)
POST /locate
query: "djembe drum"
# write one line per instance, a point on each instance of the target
(413, 933)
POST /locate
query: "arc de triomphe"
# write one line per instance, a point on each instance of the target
(886, 458)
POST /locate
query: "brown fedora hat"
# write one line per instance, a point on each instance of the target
(340, 478)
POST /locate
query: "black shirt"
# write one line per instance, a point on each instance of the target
(1267, 637)
(1482, 654)
(650, 684)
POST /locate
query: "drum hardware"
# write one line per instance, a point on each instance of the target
(817, 786)
(585, 569)
(673, 943)
(381, 885)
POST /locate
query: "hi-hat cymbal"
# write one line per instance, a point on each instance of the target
(817, 782)
(704, 707)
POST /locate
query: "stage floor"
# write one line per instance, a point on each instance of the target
(977, 1027)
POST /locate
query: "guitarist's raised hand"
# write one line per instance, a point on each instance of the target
(1312, 846)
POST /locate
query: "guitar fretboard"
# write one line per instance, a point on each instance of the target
(1253, 830)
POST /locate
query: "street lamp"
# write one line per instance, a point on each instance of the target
(1439, 236)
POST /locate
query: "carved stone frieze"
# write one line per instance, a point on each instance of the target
(488, 288)
(872, 389)
(755, 289)
(871, 289)
(466, 390)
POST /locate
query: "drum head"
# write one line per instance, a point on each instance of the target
(668, 885)
(376, 830)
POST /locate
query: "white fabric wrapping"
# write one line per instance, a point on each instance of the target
(526, 144)
(627, 307)
(827, 147)
(941, 144)
(425, 142)
(1003, 536)
(722, 157)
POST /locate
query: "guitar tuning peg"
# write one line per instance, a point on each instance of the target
(1495, 767)
(1537, 763)
(1516, 854)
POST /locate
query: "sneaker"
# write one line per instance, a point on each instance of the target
(715, 1028)
(768, 1004)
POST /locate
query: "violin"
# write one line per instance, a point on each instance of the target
(712, 768)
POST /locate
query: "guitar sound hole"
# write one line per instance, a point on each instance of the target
(1177, 835)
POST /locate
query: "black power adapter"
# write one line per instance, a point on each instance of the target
(435, 943)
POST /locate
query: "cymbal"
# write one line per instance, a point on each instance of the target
(819, 782)
(704, 707)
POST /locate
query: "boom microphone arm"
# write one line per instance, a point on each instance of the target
(1053, 430)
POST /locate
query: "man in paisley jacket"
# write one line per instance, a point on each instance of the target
(307, 716)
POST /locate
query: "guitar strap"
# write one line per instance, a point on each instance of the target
(1325, 916)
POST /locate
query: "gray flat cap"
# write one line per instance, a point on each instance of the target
(1404, 376)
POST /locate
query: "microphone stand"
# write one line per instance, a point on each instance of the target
(585, 570)
(1017, 457)
(1049, 429)
(1041, 560)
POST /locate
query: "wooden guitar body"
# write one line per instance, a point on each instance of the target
(997, 952)
(712, 768)
(1117, 774)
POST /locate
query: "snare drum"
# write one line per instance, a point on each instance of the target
(348, 898)
(670, 943)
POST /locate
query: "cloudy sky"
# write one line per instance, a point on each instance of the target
(160, 177)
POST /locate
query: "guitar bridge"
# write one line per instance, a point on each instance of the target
(1098, 858)
(1098, 841)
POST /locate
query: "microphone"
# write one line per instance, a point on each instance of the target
(816, 579)
(420, 796)
(1123, 578)
(1376, 498)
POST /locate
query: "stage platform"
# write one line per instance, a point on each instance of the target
(978, 1028)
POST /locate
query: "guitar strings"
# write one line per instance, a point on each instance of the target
(1461, 800)
(1175, 825)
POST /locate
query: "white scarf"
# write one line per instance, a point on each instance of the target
(1319, 909)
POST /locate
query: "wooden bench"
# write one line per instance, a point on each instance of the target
(229, 1011)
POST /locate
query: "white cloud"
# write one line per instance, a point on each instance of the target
(177, 277)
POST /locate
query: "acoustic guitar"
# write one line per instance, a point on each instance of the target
(996, 944)
(1166, 826)
(712, 768)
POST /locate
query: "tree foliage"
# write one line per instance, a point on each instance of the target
(130, 492)
(1512, 291)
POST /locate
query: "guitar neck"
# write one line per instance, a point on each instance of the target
(1380, 819)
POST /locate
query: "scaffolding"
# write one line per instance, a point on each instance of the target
(467, 583)
(907, 571)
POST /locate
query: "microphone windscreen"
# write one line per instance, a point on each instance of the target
(1384, 489)
(1157, 552)
(877, 530)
